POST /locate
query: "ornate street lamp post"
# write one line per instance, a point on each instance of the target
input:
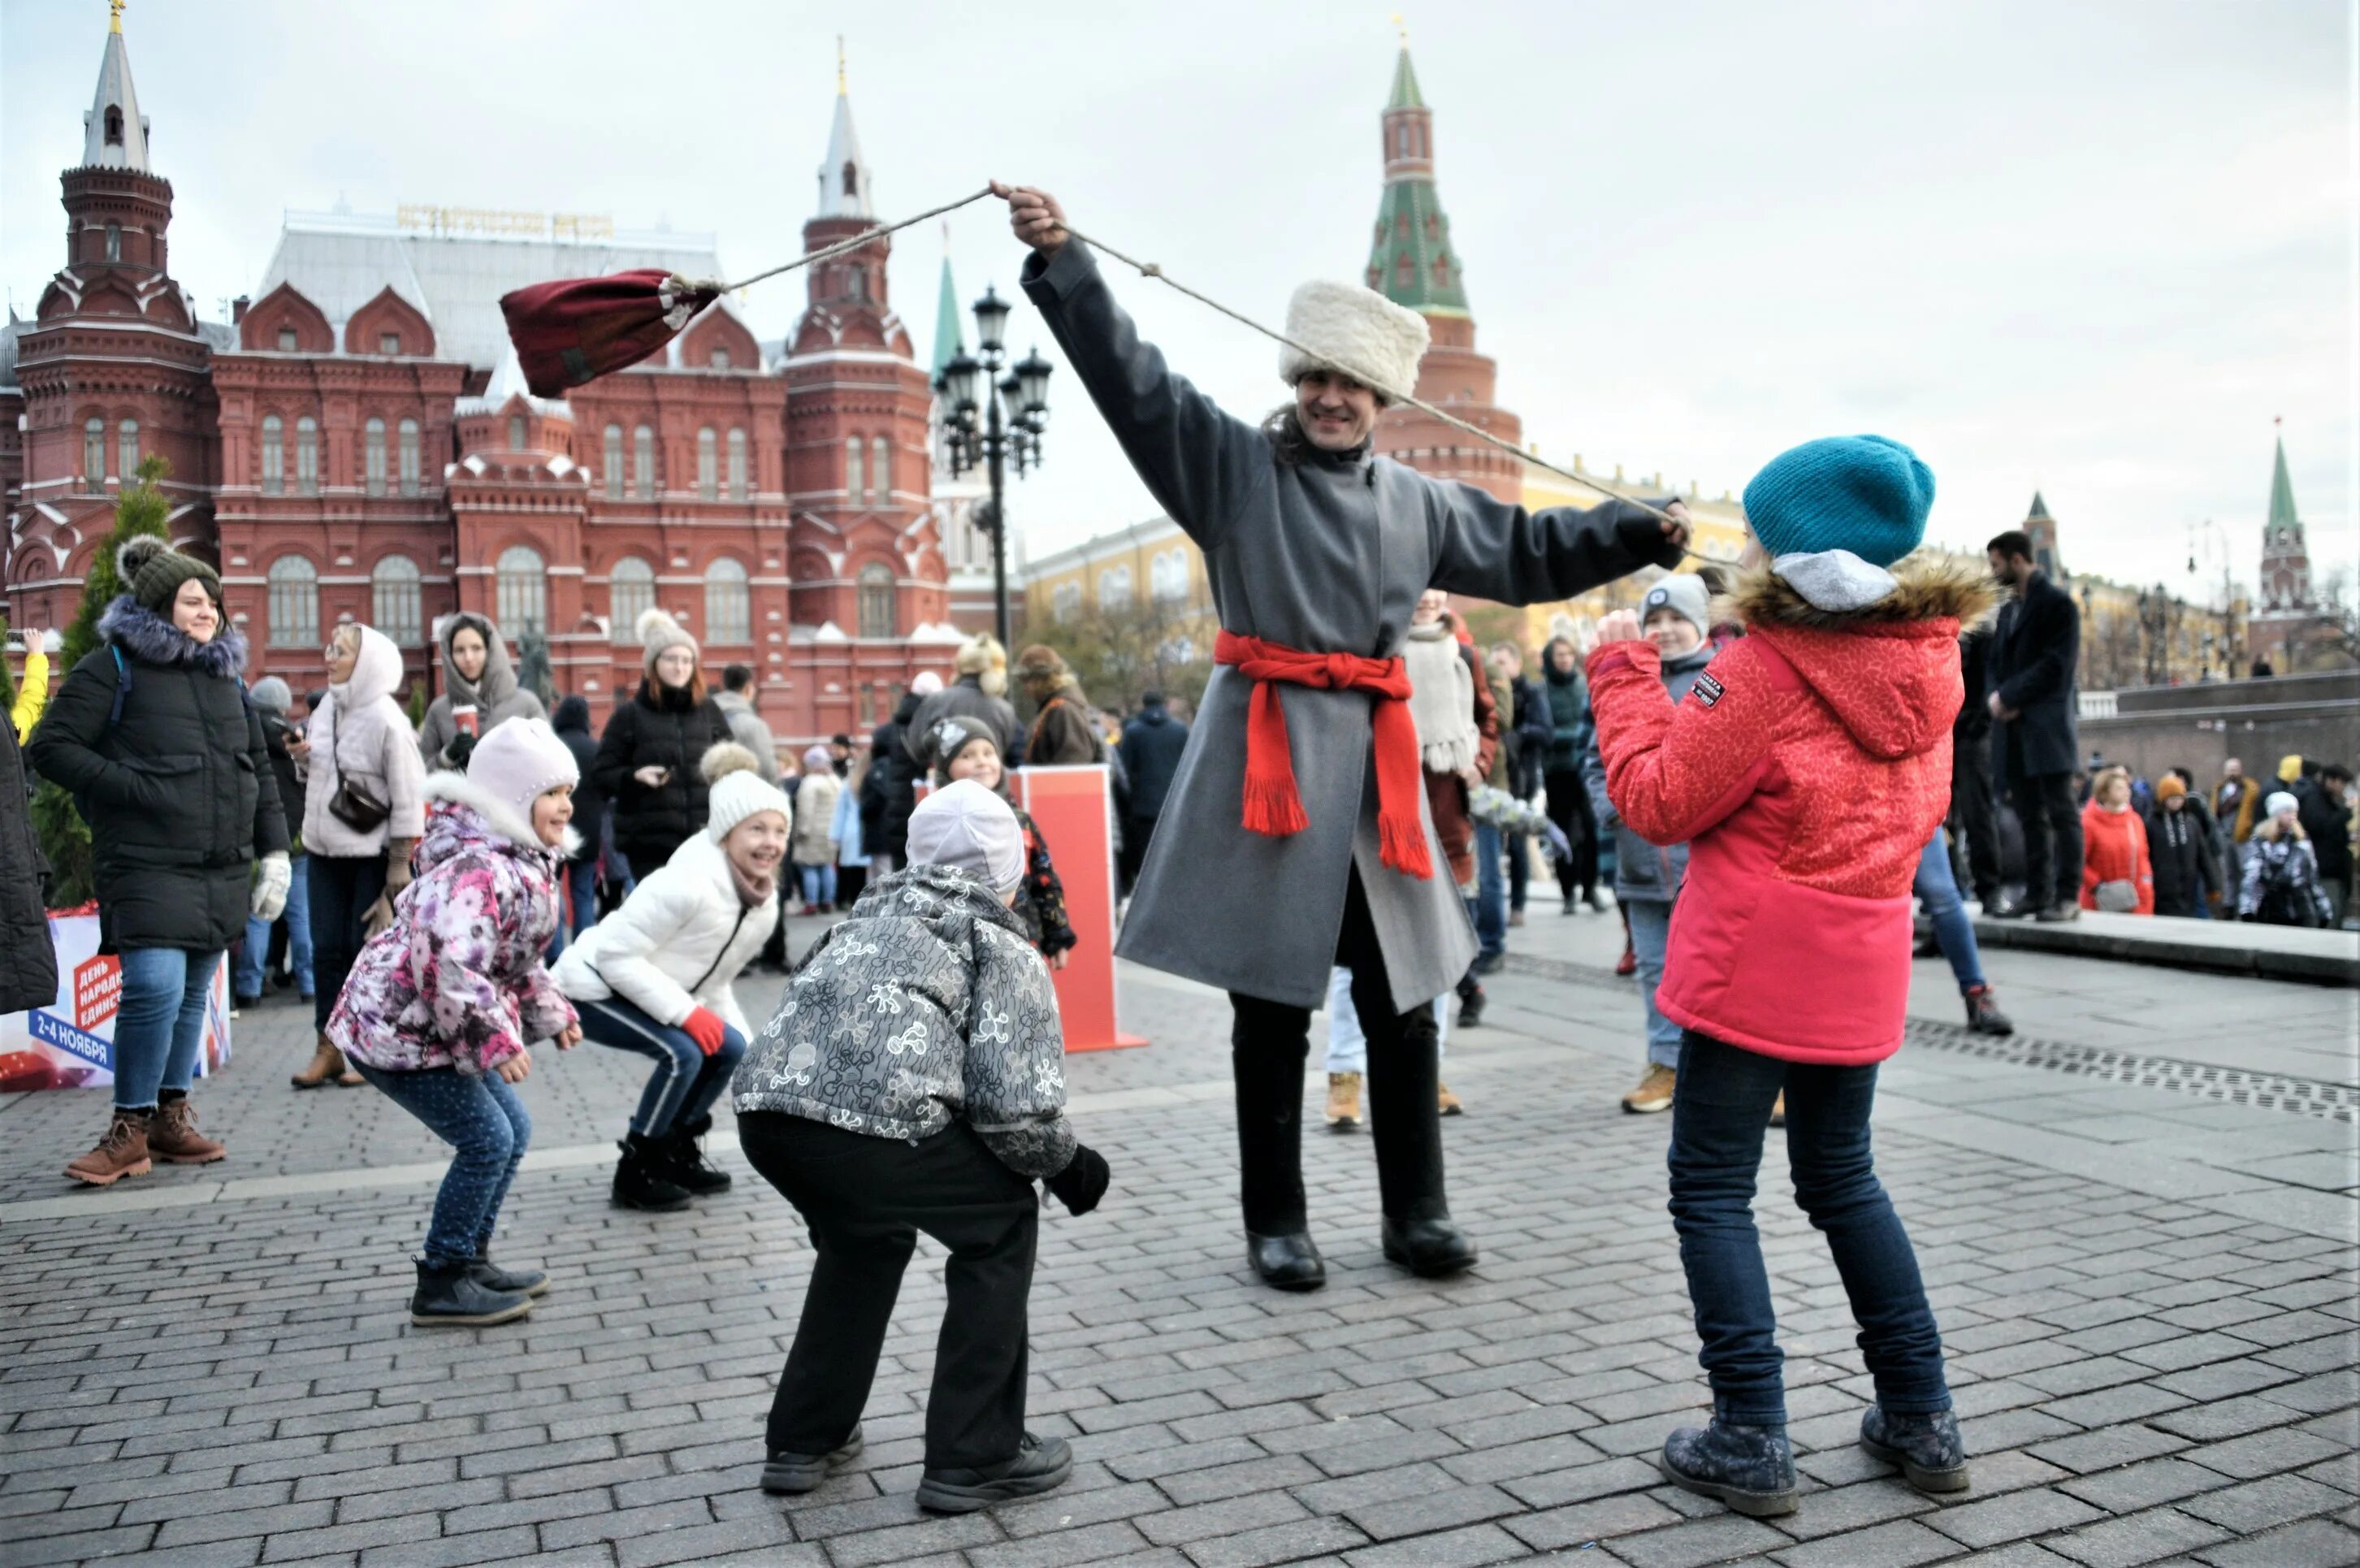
(993, 420)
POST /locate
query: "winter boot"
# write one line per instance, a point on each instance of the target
(686, 1165)
(121, 1152)
(1041, 1464)
(1343, 1100)
(643, 1179)
(507, 1281)
(1750, 1468)
(173, 1137)
(1471, 1001)
(326, 1065)
(1984, 1017)
(2059, 915)
(1429, 1248)
(1928, 1448)
(449, 1295)
(791, 1474)
(1446, 1103)
(1655, 1091)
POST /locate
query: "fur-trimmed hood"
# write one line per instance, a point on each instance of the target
(475, 818)
(1928, 587)
(148, 637)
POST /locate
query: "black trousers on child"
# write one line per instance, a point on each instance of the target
(865, 1200)
(1269, 1045)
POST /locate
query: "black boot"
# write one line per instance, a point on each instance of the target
(1288, 1262)
(686, 1165)
(1429, 1248)
(507, 1281)
(1040, 1464)
(449, 1295)
(642, 1179)
(1750, 1468)
(1268, 1045)
(1471, 1003)
(1928, 1449)
(1984, 1017)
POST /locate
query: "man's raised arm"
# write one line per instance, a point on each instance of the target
(1496, 551)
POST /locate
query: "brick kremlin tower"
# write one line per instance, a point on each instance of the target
(1413, 263)
(2286, 558)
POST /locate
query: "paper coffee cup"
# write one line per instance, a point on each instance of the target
(463, 716)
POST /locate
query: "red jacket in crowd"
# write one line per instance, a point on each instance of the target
(1805, 770)
(2114, 849)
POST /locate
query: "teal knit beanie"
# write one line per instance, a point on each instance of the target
(1862, 493)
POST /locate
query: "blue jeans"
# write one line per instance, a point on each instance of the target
(1718, 1114)
(1490, 894)
(247, 978)
(481, 1117)
(1954, 932)
(579, 887)
(1651, 933)
(686, 1081)
(819, 884)
(1347, 1043)
(159, 1023)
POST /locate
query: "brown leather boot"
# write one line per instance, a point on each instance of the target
(173, 1137)
(121, 1152)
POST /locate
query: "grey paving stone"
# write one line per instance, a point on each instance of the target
(1717, 1539)
(2253, 1506)
(1274, 1543)
(1900, 1544)
(1432, 1511)
(2315, 1543)
(1997, 1520)
(2110, 1446)
(2142, 1485)
(1451, 1549)
(1580, 1523)
(2136, 1538)
(1112, 1540)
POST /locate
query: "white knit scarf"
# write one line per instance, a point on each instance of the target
(1441, 700)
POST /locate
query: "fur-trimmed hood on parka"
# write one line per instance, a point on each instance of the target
(1889, 670)
(147, 636)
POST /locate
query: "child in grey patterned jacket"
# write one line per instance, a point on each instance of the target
(912, 1080)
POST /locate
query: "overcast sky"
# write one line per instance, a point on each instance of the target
(2090, 249)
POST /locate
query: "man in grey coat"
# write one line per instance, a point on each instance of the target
(1296, 837)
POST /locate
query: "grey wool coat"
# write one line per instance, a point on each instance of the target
(1327, 555)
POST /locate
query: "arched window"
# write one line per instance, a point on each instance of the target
(410, 459)
(294, 603)
(93, 453)
(113, 125)
(1066, 600)
(719, 358)
(852, 469)
(728, 614)
(516, 433)
(521, 580)
(273, 455)
(1401, 140)
(372, 444)
(877, 612)
(851, 178)
(388, 343)
(307, 455)
(1442, 272)
(114, 241)
(1433, 226)
(881, 472)
(643, 462)
(736, 464)
(393, 600)
(631, 589)
(1404, 270)
(708, 481)
(1114, 588)
(1168, 577)
(614, 453)
(126, 448)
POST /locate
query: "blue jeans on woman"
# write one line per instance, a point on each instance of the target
(1954, 932)
(247, 978)
(819, 884)
(1651, 937)
(479, 1115)
(159, 1023)
(1490, 902)
(578, 886)
(686, 1081)
(1719, 1115)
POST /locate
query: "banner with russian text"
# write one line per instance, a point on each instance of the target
(70, 1042)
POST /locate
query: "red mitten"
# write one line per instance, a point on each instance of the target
(704, 1027)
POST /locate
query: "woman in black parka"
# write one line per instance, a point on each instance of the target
(153, 735)
(646, 766)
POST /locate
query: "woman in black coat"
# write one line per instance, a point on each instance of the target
(646, 766)
(153, 735)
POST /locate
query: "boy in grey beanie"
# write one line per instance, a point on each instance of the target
(912, 1080)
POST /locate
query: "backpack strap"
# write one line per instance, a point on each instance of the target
(121, 686)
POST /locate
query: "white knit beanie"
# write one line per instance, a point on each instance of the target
(659, 632)
(521, 761)
(1357, 331)
(927, 683)
(964, 825)
(734, 790)
(2280, 800)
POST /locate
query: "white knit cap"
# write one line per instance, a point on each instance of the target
(734, 790)
(1357, 331)
(1683, 594)
(967, 827)
(2280, 800)
(521, 761)
(927, 683)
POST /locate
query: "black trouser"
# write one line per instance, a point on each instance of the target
(1568, 807)
(2053, 837)
(865, 1200)
(1269, 1044)
(1136, 831)
(774, 950)
(1975, 816)
(343, 889)
(646, 859)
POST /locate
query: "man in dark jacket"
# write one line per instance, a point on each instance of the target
(2326, 813)
(1065, 731)
(2033, 698)
(573, 725)
(1151, 744)
(1973, 817)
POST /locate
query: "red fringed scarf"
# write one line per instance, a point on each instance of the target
(1272, 805)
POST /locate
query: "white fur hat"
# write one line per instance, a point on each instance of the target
(519, 761)
(1357, 331)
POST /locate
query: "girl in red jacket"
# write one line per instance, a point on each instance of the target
(1805, 770)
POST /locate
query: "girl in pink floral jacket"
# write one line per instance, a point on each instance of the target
(442, 1006)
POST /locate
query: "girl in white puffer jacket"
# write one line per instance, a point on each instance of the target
(654, 977)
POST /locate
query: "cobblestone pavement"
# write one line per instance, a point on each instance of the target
(2145, 1289)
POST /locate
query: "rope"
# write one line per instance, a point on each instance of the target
(866, 236)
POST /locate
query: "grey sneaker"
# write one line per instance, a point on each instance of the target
(1749, 1468)
(1041, 1464)
(2059, 913)
(1928, 1449)
(795, 1473)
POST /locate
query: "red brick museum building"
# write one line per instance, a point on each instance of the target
(357, 443)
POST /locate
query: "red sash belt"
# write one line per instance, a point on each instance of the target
(1272, 805)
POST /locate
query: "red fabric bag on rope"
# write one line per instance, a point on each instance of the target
(578, 329)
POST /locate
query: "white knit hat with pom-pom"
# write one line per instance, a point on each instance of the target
(735, 790)
(659, 632)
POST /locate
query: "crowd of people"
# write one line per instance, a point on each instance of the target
(1762, 794)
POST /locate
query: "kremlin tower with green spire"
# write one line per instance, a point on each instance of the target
(1412, 262)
